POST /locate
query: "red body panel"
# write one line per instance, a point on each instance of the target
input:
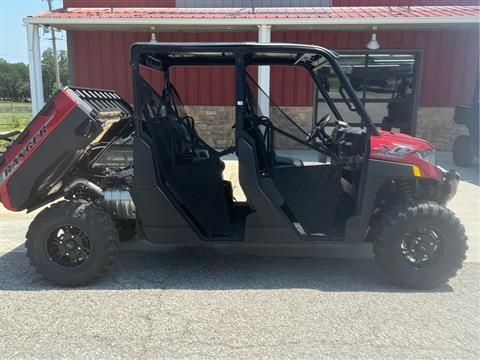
(41, 126)
(400, 148)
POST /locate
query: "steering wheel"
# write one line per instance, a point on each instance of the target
(319, 132)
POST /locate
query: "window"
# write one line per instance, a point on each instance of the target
(386, 84)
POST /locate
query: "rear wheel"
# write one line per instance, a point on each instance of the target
(463, 151)
(72, 243)
(421, 245)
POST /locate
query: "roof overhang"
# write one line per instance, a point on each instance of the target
(326, 18)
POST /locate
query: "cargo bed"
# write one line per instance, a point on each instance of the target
(34, 167)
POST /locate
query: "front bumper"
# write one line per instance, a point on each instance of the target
(448, 187)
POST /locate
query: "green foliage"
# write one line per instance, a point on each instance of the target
(14, 78)
(14, 82)
(14, 121)
(15, 107)
(14, 115)
(48, 71)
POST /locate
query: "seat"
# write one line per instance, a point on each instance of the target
(264, 158)
(267, 159)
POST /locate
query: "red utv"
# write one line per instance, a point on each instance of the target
(145, 170)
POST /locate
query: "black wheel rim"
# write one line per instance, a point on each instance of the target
(68, 246)
(422, 247)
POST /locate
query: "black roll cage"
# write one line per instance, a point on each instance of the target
(161, 56)
(268, 124)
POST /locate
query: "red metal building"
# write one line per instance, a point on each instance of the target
(440, 37)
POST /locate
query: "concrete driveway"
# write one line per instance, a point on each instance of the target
(192, 304)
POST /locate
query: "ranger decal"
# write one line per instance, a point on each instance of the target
(18, 160)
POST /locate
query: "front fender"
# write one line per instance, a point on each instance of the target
(378, 173)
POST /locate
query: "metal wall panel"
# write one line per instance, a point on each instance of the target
(250, 3)
(449, 67)
(102, 61)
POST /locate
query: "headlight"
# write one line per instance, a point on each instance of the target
(427, 155)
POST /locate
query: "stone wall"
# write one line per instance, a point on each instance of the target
(302, 116)
(437, 126)
(214, 124)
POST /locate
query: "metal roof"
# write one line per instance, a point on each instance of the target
(300, 17)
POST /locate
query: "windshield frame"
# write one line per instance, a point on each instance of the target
(352, 96)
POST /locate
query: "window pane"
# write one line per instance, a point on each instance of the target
(384, 82)
(390, 75)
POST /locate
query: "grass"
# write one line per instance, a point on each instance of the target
(13, 116)
(12, 106)
(14, 121)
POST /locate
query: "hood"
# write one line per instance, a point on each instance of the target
(394, 146)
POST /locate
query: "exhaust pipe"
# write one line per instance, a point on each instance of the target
(84, 182)
(120, 204)
(116, 201)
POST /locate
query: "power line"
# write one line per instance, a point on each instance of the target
(54, 46)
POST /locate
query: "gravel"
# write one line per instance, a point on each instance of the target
(182, 305)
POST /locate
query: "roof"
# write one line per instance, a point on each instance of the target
(211, 52)
(308, 17)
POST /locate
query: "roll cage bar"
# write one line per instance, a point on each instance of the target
(268, 124)
(161, 56)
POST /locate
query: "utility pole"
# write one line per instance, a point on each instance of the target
(54, 47)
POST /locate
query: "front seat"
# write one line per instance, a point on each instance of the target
(264, 143)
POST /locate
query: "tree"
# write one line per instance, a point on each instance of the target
(48, 71)
(14, 78)
(14, 81)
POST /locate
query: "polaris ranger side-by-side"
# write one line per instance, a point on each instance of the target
(120, 170)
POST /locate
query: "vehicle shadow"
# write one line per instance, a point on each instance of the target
(209, 270)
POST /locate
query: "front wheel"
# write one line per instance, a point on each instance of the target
(420, 245)
(72, 243)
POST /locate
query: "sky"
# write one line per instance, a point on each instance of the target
(13, 35)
